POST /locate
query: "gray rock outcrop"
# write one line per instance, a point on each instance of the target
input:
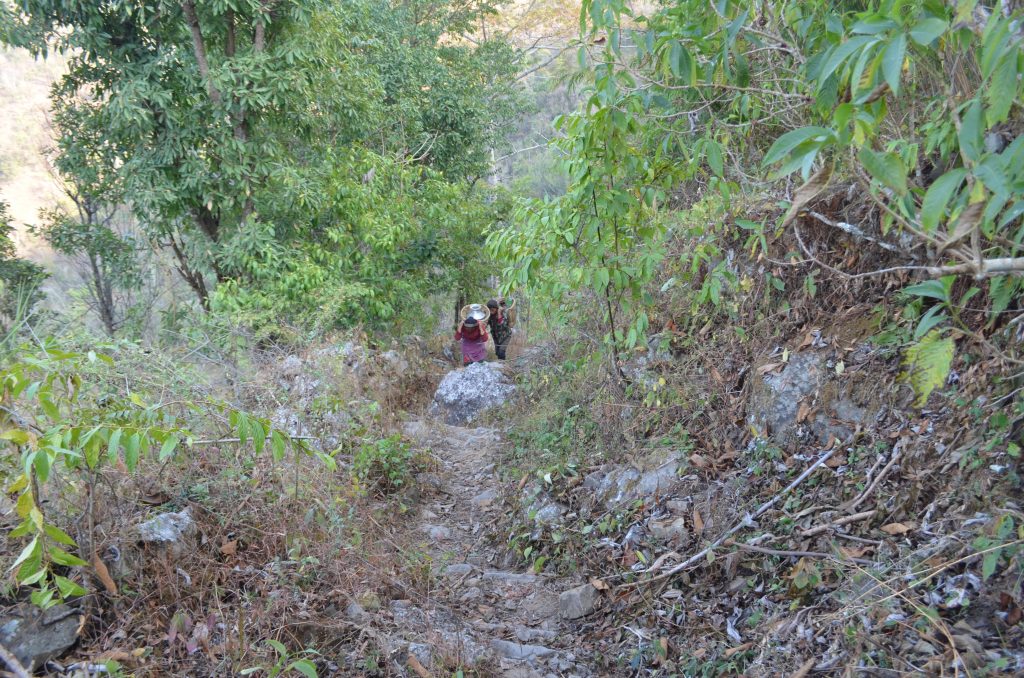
(466, 393)
(809, 401)
(167, 530)
(616, 485)
(578, 602)
(36, 636)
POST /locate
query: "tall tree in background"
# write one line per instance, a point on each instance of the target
(19, 279)
(227, 124)
(107, 260)
(85, 165)
(188, 98)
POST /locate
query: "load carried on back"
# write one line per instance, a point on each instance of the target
(502, 317)
(472, 333)
(479, 323)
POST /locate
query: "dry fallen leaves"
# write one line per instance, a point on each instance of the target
(699, 461)
(229, 548)
(855, 552)
(117, 656)
(417, 667)
(103, 574)
(896, 529)
(662, 650)
(698, 522)
(803, 411)
(808, 339)
(739, 648)
(836, 461)
(804, 669)
(812, 187)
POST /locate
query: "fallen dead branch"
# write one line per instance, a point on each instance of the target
(805, 669)
(845, 520)
(897, 453)
(795, 554)
(12, 663)
(747, 520)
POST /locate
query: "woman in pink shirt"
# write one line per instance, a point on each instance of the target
(474, 341)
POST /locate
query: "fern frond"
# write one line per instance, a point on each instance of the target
(927, 364)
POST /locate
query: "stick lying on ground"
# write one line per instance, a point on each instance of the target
(795, 554)
(845, 520)
(747, 520)
(12, 663)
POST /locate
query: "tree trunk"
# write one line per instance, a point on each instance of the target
(104, 300)
(199, 48)
(191, 276)
(209, 224)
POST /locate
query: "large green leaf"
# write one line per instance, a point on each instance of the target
(131, 451)
(886, 168)
(790, 140)
(62, 557)
(892, 61)
(1002, 91)
(873, 26)
(682, 64)
(989, 563)
(167, 449)
(68, 588)
(938, 195)
(1001, 291)
(27, 552)
(929, 320)
(840, 54)
(114, 445)
(277, 445)
(971, 130)
(714, 155)
(933, 289)
(59, 535)
(305, 667)
(16, 436)
(926, 31)
(927, 364)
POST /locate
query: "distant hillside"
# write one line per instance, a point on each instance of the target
(24, 179)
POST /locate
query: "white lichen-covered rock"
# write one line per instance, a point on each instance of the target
(291, 366)
(615, 486)
(170, 530)
(644, 368)
(465, 393)
(809, 400)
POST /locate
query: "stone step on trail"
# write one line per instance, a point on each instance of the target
(478, 610)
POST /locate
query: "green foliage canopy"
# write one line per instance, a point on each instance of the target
(224, 125)
(915, 102)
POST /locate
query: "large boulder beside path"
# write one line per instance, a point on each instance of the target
(36, 636)
(465, 393)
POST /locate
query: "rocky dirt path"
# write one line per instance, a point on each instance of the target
(478, 614)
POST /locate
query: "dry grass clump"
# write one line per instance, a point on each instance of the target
(283, 551)
(899, 555)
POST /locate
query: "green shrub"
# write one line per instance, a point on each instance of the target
(386, 464)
